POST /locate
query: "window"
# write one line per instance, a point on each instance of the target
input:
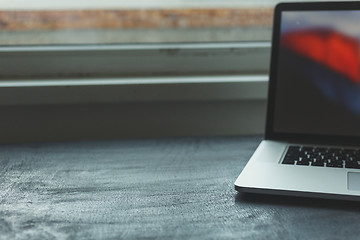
(65, 39)
(117, 52)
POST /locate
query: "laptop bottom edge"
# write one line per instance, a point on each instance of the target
(297, 193)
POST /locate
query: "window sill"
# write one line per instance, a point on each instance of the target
(116, 90)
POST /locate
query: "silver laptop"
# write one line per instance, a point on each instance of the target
(312, 140)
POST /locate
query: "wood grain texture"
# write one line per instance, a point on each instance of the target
(159, 188)
(135, 19)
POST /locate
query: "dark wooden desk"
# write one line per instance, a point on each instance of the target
(165, 189)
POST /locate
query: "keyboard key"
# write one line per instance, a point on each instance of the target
(289, 160)
(336, 164)
(318, 163)
(353, 164)
(303, 161)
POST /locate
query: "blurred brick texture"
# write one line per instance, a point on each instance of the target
(135, 19)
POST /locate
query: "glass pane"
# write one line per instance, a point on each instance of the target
(24, 22)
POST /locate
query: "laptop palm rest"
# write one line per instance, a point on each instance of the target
(353, 181)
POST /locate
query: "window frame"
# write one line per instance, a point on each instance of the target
(136, 72)
(124, 60)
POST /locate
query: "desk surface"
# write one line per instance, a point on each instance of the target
(162, 188)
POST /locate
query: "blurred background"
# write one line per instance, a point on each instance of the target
(41, 22)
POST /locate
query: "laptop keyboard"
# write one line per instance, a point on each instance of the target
(322, 157)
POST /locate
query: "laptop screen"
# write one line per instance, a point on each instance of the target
(318, 73)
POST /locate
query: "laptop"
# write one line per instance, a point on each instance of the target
(312, 138)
